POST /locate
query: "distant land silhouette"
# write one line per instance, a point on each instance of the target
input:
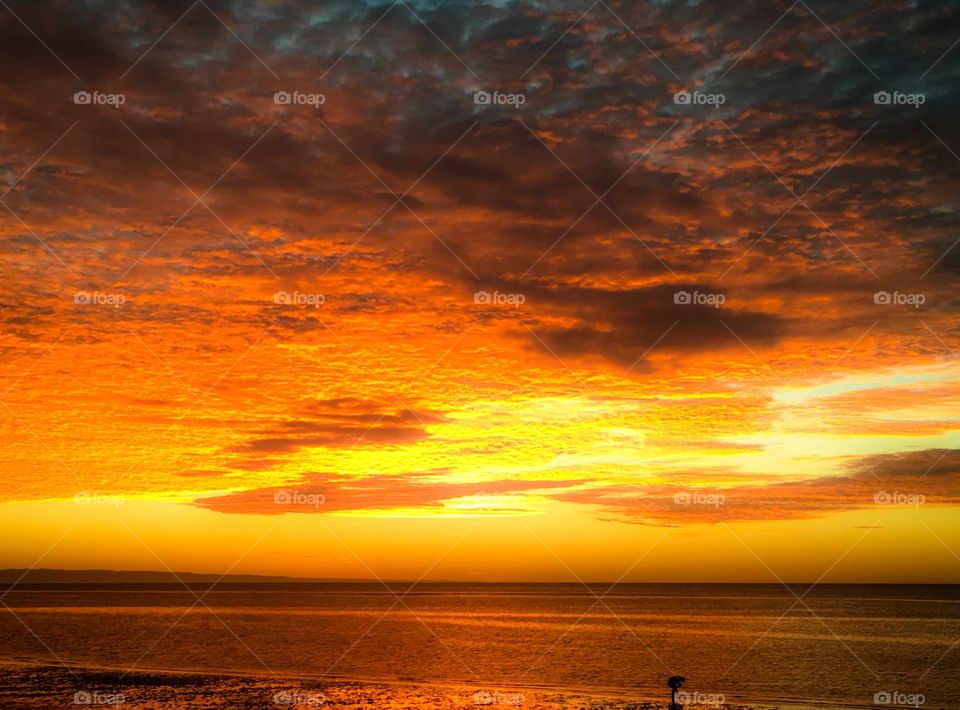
(105, 576)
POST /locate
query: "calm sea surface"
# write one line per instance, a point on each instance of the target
(837, 645)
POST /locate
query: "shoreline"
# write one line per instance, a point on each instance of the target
(256, 687)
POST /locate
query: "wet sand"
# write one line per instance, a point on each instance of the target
(43, 686)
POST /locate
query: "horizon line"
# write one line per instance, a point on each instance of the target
(20, 577)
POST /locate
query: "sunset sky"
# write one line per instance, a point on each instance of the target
(390, 329)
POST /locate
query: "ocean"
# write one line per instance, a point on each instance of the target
(467, 645)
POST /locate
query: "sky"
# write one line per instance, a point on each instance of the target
(484, 291)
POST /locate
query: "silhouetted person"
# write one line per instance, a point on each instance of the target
(675, 682)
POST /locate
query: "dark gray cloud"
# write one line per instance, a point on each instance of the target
(707, 199)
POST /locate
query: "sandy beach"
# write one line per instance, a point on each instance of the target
(31, 686)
